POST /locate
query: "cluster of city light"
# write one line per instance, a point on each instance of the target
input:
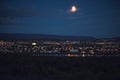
(70, 48)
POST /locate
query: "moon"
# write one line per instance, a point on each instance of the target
(73, 9)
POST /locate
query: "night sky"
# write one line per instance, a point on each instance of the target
(97, 18)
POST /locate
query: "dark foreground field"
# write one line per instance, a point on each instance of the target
(59, 68)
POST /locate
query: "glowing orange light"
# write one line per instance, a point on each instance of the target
(73, 9)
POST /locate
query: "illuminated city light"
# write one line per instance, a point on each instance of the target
(83, 55)
(34, 43)
(52, 48)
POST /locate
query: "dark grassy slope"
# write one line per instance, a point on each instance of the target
(59, 68)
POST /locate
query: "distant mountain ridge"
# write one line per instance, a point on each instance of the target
(7, 36)
(21, 36)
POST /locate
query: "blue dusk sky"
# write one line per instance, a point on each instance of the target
(97, 18)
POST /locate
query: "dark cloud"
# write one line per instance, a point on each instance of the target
(17, 12)
(7, 13)
(10, 21)
(7, 21)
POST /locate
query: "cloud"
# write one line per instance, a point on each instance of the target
(8, 16)
(17, 12)
(10, 21)
(7, 21)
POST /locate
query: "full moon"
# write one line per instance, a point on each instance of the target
(73, 9)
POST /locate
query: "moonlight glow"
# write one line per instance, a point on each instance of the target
(73, 9)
